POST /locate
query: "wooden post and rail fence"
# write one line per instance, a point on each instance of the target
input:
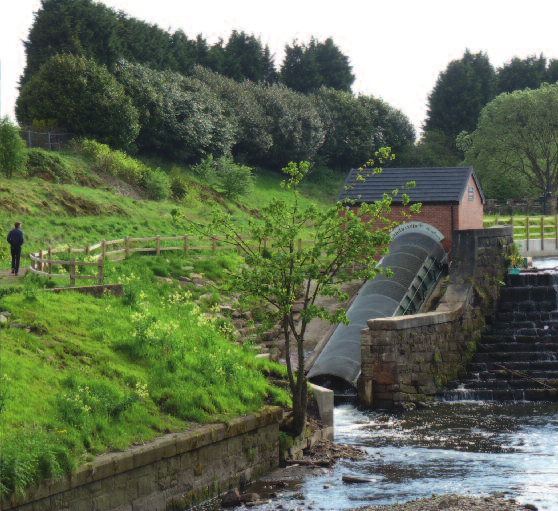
(536, 235)
(44, 261)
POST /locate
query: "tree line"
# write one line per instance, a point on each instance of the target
(134, 86)
(502, 121)
(468, 84)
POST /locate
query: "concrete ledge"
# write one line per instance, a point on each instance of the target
(163, 457)
(415, 321)
(325, 399)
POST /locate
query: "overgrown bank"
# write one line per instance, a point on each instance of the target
(83, 375)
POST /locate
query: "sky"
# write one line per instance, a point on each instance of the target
(397, 48)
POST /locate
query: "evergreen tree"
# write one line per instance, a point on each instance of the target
(460, 93)
(244, 58)
(77, 27)
(83, 97)
(519, 74)
(309, 67)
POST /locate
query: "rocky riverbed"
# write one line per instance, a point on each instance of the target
(265, 495)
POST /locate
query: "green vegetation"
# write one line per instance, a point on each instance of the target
(85, 375)
(533, 227)
(516, 144)
(12, 149)
(136, 87)
(283, 273)
(88, 375)
(462, 90)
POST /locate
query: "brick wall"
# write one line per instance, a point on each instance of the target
(172, 472)
(408, 358)
(445, 217)
(470, 212)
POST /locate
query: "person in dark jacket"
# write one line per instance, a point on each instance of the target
(15, 239)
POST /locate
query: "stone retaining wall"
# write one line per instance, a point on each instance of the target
(408, 358)
(171, 473)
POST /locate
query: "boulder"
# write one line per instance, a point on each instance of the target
(231, 499)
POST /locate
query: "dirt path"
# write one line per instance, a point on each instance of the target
(6, 276)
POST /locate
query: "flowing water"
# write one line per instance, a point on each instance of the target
(470, 448)
(466, 447)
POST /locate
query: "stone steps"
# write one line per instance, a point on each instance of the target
(502, 395)
(517, 360)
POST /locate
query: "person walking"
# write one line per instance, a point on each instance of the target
(15, 239)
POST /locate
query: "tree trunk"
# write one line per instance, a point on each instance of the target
(300, 402)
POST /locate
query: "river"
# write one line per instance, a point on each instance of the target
(465, 447)
(470, 448)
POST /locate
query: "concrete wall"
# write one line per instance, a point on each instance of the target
(409, 358)
(172, 472)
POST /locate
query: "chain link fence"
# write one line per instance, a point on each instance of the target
(50, 140)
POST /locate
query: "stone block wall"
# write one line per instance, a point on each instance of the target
(408, 358)
(171, 473)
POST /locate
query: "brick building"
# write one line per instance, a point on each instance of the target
(451, 197)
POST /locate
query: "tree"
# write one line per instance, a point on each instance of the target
(77, 27)
(83, 97)
(293, 123)
(459, 95)
(309, 67)
(281, 272)
(517, 135)
(179, 116)
(246, 58)
(348, 126)
(518, 74)
(13, 153)
(253, 137)
(433, 149)
(392, 127)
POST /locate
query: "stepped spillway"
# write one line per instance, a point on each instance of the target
(517, 359)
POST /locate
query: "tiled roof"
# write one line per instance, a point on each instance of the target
(437, 184)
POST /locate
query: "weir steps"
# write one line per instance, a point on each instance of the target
(517, 359)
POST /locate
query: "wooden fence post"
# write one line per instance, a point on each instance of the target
(100, 270)
(72, 272)
(127, 246)
(214, 244)
(542, 233)
(299, 244)
(49, 259)
(185, 244)
(527, 233)
(87, 250)
(158, 244)
(103, 248)
(40, 265)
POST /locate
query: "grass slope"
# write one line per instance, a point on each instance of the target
(81, 375)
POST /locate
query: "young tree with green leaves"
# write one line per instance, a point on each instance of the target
(13, 153)
(282, 272)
